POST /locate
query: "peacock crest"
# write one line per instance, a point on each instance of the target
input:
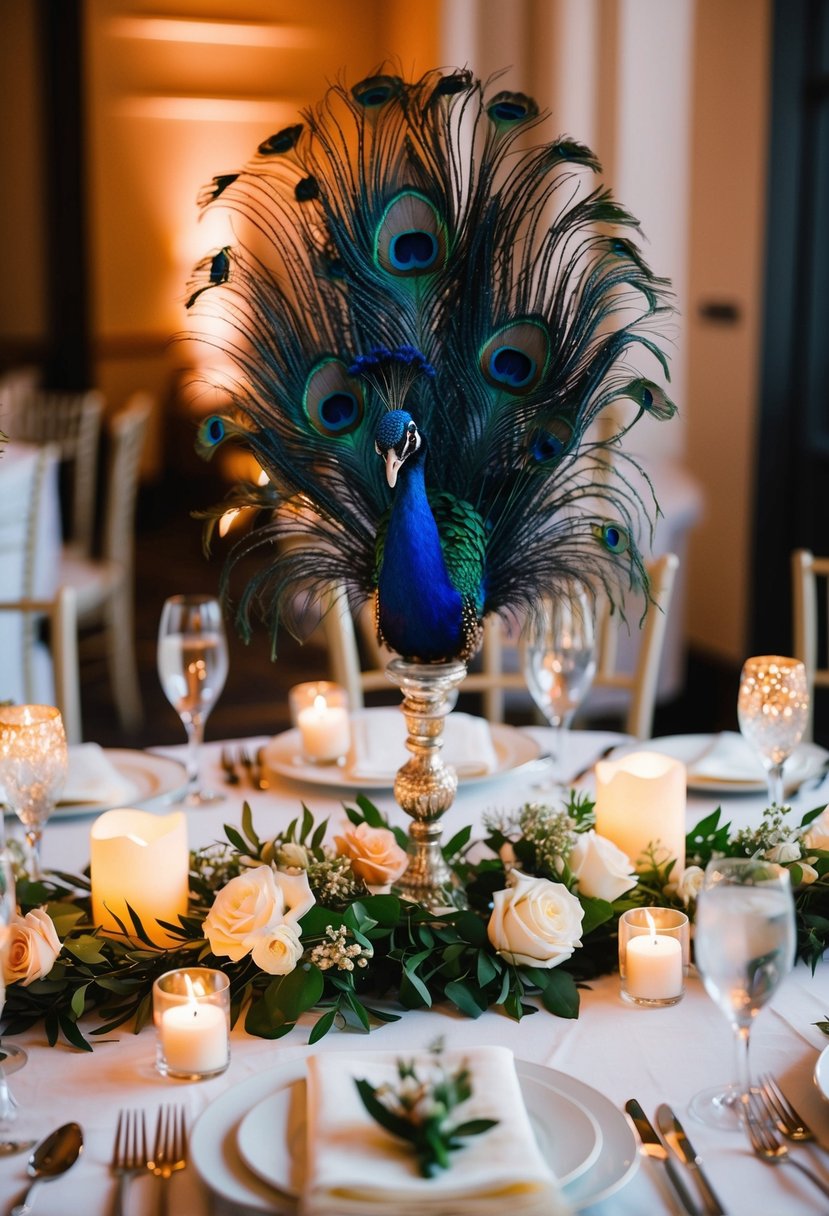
(429, 315)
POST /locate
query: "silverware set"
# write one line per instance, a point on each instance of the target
(131, 1154)
(767, 1116)
(245, 765)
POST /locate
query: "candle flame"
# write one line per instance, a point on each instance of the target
(319, 703)
(651, 925)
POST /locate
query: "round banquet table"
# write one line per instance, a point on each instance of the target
(654, 1055)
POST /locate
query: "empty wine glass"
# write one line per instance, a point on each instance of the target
(744, 945)
(192, 666)
(559, 662)
(33, 763)
(772, 709)
(11, 1057)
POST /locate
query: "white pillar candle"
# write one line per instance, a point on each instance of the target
(653, 967)
(640, 801)
(324, 730)
(194, 1038)
(139, 859)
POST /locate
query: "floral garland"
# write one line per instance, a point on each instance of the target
(298, 924)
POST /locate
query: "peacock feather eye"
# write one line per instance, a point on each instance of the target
(459, 81)
(333, 401)
(218, 272)
(515, 357)
(210, 434)
(553, 442)
(306, 190)
(217, 186)
(614, 537)
(411, 237)
(283, 141)
(651, 398)
(506, 109)
(377, 90)
(576, 153)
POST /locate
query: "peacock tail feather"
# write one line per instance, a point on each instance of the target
(413, 276)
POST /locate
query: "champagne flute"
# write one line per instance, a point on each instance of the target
(33, 762)
(192, 666)
(744, 945)
(12, 1057)
(559, 661)
(773, 709)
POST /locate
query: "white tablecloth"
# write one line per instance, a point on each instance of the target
(653, 1055)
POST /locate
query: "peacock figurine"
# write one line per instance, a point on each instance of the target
(432, 321)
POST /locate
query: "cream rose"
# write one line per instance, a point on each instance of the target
(250, 911)
(691, 883)
(535, 922)
(33, 947)
(277, 950)
(817, 837)
(602, 869)
(788, 850)
(375, 855)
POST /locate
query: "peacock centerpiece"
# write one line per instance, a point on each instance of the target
(435, 322)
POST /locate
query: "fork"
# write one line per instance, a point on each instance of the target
(790, 1123)
(170, 1151)
(231, 776)
(129, 1153)
(767, 1146)
(253, 768)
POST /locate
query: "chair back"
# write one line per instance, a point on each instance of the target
(61, 615)
(810, 605)
(72, 423)
(128, 431)
(493, 680)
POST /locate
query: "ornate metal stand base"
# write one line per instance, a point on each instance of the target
(425, 787)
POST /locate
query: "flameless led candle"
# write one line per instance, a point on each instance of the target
(321, 714)
(191, 1016)
(139, 859)
(640, 800)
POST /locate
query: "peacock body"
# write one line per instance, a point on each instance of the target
(428, 316)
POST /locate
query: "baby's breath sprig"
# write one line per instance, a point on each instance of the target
(419, 1109)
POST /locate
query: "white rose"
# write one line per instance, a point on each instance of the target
(292, 856)
(789, 850)
(817, 837)
(252, 906)
(690, 884)
(33, 947)
(808, 874)
(277, 949)
(602, 869)
(535, 922)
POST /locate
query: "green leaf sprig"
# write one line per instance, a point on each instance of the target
(420, 1109)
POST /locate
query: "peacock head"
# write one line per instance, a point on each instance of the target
(396, 439)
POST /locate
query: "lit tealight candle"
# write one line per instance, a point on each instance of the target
(654, 967)
(192, 1025)
(324, 731)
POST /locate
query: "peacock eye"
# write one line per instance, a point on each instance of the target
(411, 428)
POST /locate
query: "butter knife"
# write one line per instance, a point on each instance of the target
(653, 1148)
(679, 1144)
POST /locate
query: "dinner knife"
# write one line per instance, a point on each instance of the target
(653, 1148)
(678, 1142)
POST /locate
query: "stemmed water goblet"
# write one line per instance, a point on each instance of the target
(773, 709)
(33, 763)
(192, 666)
(744, 945)
(558, 649)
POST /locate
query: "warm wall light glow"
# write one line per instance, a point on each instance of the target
(210, 109)
(221, 33)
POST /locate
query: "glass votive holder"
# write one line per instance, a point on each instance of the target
(319, 710)
(191, 1014)
(654, 955)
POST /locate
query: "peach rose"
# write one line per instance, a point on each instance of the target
(258, 913)
(33, 947)
(375, 855)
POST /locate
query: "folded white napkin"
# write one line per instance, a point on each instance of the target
(728, 758)
(378, 744)
(356, 1168)
(92, 777)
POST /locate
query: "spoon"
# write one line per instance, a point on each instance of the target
(51, 1157)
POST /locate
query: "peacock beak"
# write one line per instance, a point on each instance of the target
(393, 463)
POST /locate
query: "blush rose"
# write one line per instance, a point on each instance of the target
(375, 855)
(33, 947)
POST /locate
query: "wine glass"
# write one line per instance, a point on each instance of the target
(744, 945)
(772, 709)
(11, 1057)
(559, 660)
(33, 763)
(192, 666)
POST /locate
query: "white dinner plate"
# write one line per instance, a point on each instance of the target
(283, 755)
(821, 1073)
(150, 776)
(805, 762)
(216, 1155)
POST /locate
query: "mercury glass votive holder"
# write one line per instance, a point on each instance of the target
(319, 711)
(33, 763)
(654, 955)
(191, 1014)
